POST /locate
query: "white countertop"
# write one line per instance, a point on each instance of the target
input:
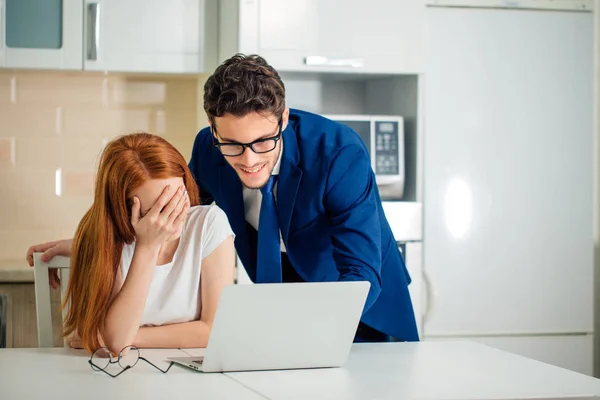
(15, 271)
(425, 370)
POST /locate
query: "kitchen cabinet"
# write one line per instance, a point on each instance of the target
(175, 36)
(21, 323)
(378, 36)
(41, 34)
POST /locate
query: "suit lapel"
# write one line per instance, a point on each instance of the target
(288, 182)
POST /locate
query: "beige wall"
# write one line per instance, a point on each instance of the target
(59, 121)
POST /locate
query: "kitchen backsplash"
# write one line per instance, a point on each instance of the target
(53, 126)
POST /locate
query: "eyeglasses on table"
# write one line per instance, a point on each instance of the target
(127, 358)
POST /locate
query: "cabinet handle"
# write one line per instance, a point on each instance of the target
(2, 26)
(334, 62)
(3, 320)
(93, 34)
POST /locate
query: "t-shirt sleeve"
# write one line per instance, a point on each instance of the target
(216, 230)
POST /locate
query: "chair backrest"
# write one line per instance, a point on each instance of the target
(42, 294)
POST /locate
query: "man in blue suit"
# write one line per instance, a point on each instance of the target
(307, 182)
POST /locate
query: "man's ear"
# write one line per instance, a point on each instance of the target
(212, 130)
(284, 118)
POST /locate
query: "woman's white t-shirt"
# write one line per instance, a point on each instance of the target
(174, 294)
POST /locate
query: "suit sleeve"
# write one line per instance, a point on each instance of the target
(350, 201)
(195, 166)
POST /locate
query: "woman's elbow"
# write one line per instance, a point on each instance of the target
(116, 345)
(116, 341)
(202, 335)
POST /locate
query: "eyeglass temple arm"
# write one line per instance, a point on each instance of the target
(163, 371)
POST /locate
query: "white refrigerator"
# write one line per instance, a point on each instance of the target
(508, 181)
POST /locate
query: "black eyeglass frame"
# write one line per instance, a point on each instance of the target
(250, 145)
(117, 360)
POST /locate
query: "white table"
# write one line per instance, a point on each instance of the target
(426, 370)
(66, 375)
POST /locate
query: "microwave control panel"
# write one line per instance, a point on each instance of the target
(387, 157)
(383, 137)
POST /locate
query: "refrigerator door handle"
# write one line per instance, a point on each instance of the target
(429, 294)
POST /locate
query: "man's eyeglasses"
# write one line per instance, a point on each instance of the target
(259, 146)
(126, 359)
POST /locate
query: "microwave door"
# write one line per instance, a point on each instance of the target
(363, 128)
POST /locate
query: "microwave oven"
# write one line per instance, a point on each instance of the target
(384, 138)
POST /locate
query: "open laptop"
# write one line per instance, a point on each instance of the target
(282, 326)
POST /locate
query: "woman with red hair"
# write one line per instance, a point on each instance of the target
(148, 263)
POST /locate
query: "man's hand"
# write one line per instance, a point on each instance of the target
(51, 249)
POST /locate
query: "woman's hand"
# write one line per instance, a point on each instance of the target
(74, 341)
(165, 218)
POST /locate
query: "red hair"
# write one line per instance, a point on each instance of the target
(126, 163)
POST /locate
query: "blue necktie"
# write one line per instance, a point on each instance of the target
(268, 265)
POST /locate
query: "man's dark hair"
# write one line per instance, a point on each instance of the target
(241, 85)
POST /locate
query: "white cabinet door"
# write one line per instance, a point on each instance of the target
(41, 34)
(329, 35)
(149, 35)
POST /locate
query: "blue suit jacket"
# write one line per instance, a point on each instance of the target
(330, 215)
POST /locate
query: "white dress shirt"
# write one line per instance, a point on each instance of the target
(253, 199)
(175, 295)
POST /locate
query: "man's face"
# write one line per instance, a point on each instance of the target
(253, 169)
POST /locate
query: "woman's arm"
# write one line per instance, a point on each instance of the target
(126, 310)
(217, 272)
